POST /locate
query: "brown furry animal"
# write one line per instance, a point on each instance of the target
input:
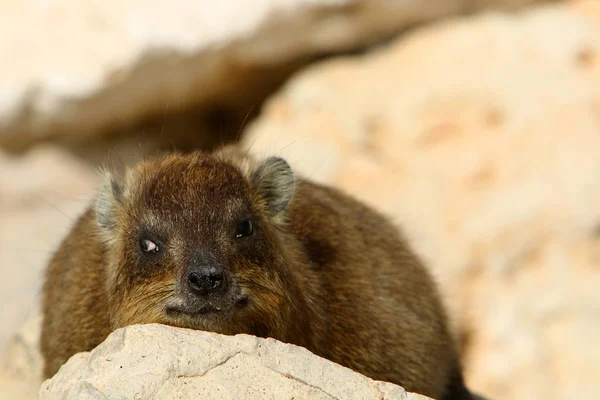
(221, 244)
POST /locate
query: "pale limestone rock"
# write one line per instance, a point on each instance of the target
(160, 362)
(481, 136)
(77, 68)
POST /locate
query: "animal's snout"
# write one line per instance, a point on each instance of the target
(204, 279)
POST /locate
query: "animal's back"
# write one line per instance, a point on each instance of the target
(383, 309)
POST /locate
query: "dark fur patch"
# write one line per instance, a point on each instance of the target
(321, 252)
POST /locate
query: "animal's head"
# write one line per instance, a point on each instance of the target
(195, 241)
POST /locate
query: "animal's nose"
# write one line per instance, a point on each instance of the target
(204, 279)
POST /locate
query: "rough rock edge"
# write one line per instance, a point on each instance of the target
(189, 353)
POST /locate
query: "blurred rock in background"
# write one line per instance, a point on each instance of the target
(479, 134)
(21, 364)
(75, 69)
(481, 137)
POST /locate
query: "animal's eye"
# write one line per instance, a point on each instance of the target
(244, 229)
(148, 246)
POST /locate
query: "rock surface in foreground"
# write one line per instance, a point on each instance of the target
(160, 362)
(482, 138)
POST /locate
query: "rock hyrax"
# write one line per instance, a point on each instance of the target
(220, 243)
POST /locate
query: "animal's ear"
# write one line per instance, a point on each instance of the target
(274, 181)
(108, 198)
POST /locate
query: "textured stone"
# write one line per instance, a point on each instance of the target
(75, 69)
(481, 136)
(160, 362)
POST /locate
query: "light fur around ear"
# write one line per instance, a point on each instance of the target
(274, 181)
(108, 198)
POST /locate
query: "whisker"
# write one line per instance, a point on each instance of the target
(56, 208)
(24, 250)
(14, 245)
(255, 284)
(293, 142)
(248, 151)
(150, 295)
(162, 130)
(156, 298)
(243, 123)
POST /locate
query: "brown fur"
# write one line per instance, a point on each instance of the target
(321, 271)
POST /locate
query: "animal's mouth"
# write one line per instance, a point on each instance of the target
(206, 308)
